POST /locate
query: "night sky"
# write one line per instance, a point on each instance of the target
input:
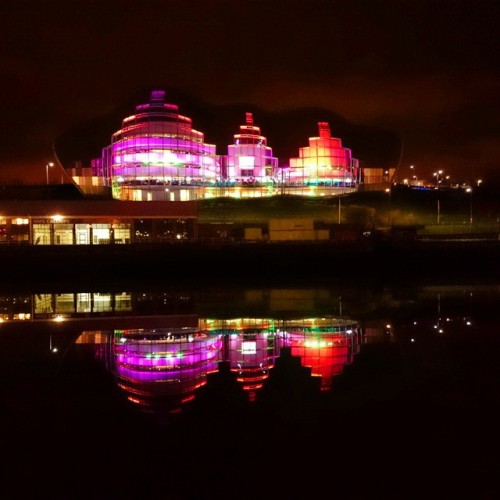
(427, 70)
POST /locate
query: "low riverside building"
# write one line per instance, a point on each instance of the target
(96, 222)
(112, 222)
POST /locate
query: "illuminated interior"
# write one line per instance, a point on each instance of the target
(249, 159)
(155, 153)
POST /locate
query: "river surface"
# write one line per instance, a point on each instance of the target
(266, 393)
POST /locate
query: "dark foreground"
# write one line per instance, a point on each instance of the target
(385, 261)
(402, 422)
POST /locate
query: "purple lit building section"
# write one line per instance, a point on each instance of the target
(160, 368)
(156, 147)
(153, 355)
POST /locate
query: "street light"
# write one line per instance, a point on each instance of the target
(47, 166)
(413, 175)
(437, 175)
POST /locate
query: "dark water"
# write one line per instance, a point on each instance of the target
(208, 393)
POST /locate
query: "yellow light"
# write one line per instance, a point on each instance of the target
(57, 218)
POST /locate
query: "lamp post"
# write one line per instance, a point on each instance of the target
(413, 176)
(47, 166)
(437, 175)
(469, 190)
(388, 191)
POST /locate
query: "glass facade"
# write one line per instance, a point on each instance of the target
(249, 159)
(324, 162)
(157, 156)
(79, 233)
(103, 231)
(155, 153)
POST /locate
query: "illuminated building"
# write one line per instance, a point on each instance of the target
(324, 163)
(249, 160)
(157, 155)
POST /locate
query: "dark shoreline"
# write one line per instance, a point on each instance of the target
(195, 263)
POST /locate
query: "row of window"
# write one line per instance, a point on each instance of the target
(70, 233)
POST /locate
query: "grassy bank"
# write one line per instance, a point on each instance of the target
(454, 209)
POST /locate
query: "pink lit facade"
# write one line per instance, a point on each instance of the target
(156, 154)
(325, 162)
(249, 159)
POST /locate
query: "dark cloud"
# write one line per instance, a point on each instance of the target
(426, 70)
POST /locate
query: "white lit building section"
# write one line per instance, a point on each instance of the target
(249, 159)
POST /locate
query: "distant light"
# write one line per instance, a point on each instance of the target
(58, 319)
(57, 218)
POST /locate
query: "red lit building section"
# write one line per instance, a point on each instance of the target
(324, 162)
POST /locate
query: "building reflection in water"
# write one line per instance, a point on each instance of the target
(164, 367)
(325, 345)
(161, 369)
(161, 350)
